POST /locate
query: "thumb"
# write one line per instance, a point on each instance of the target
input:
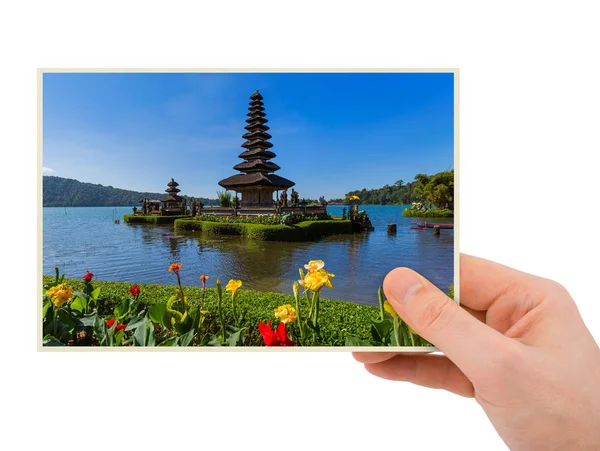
(465, 340)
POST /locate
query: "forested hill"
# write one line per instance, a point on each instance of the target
(61, 192)
(437, 189)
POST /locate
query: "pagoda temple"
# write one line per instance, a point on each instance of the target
(173, 203)
(256, 183)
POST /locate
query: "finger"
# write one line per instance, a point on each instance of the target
(433, 371)
(475, 313)
(483, 282)
(373, 357)
(433, 315)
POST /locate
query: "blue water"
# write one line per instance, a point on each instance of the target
(86, 238)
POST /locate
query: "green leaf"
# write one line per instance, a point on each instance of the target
(405, 334)
(79, 304)
(236, 339)
(151, 340)
(186, 339)
(70, 322)
(156, 312)
(94, 294)
(49, 340)
(215, 340)
(100, 330)
(381, 329)
(172, 300)
(88, 321)
(381, 302)
(110, 334)
(122, 310)
(144, 334)
(141, 335)
(173, 341)
(119, 337)
(47, 305)
(355, 341)
(136, 322)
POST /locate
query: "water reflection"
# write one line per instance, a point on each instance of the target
(88, 239)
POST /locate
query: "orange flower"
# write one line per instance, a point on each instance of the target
(204, 278)
(175, 267)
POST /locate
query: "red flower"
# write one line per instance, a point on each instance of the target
(119, 327)
(88, 276)
(278, 337)
(134, 290)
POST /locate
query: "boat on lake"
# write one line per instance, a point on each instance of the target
(426, 225)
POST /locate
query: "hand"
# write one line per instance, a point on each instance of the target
(517, 344)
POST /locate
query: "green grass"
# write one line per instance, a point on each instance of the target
(133, 219)
(303, 231)
(442, 213)
(337, 318)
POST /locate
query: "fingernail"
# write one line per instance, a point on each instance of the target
(402, 285)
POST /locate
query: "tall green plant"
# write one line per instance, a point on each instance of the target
(224, 198)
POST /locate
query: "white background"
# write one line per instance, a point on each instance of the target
(529, 118)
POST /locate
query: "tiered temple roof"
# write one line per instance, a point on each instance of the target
(172, 191)
(257, 170)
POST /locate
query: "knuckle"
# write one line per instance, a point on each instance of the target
(557, 290)
(435, 314)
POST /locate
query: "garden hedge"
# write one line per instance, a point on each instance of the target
(303, 231)
(135, 219)
(413, 213)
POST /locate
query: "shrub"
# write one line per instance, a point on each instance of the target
(434, 213)
(317, 229)
(224, 198)
(303, 231)
(133, 219)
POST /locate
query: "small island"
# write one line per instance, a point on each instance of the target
(252, 211)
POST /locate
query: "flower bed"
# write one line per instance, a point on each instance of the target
(92, 313)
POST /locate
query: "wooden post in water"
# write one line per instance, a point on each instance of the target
(391, 229)
(436, 230)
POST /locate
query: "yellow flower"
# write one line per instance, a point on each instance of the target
(314, 265)
(60, 294)
(233, 286)
(175, 267)
(286, 313)
(316, 280)
(388, 308)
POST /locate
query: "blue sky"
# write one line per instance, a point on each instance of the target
(332, 132)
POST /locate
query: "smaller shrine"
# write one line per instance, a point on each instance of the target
(173, 204)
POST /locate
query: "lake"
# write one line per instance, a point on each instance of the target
(77, 239)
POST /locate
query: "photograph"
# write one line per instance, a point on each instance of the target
(242, 210)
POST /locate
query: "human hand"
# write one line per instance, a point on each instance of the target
(517, 344)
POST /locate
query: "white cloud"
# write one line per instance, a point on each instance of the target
(46, 170)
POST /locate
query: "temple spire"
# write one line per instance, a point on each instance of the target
(257, 170)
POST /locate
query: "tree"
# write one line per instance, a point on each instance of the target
(439, 190)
